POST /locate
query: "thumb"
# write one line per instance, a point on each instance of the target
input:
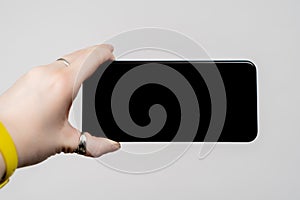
(95, 146)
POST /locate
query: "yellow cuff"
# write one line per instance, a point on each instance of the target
(9, 154)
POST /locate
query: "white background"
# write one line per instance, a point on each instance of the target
(267, 32)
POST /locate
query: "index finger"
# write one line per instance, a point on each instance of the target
(84, 62)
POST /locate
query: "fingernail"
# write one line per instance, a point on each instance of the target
(116, 145)
(110, 47)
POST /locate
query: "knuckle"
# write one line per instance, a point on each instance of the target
(59, 82)
(44, 79)
(34, 72)
(69, 140)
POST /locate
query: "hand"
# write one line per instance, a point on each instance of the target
(35, 109)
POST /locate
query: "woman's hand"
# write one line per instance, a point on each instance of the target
(35, 109)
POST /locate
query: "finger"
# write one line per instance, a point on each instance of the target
(73, 57)
(95, 146)
(84, 63)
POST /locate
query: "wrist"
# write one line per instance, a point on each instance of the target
(12, 137)
(9, 154)
(2, 162)
(2, 167)
(7, 120)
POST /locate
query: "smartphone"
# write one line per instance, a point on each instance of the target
(172, 101)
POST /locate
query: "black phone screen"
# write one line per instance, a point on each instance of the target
(178, 101)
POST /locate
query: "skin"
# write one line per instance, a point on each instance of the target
(35, 109)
